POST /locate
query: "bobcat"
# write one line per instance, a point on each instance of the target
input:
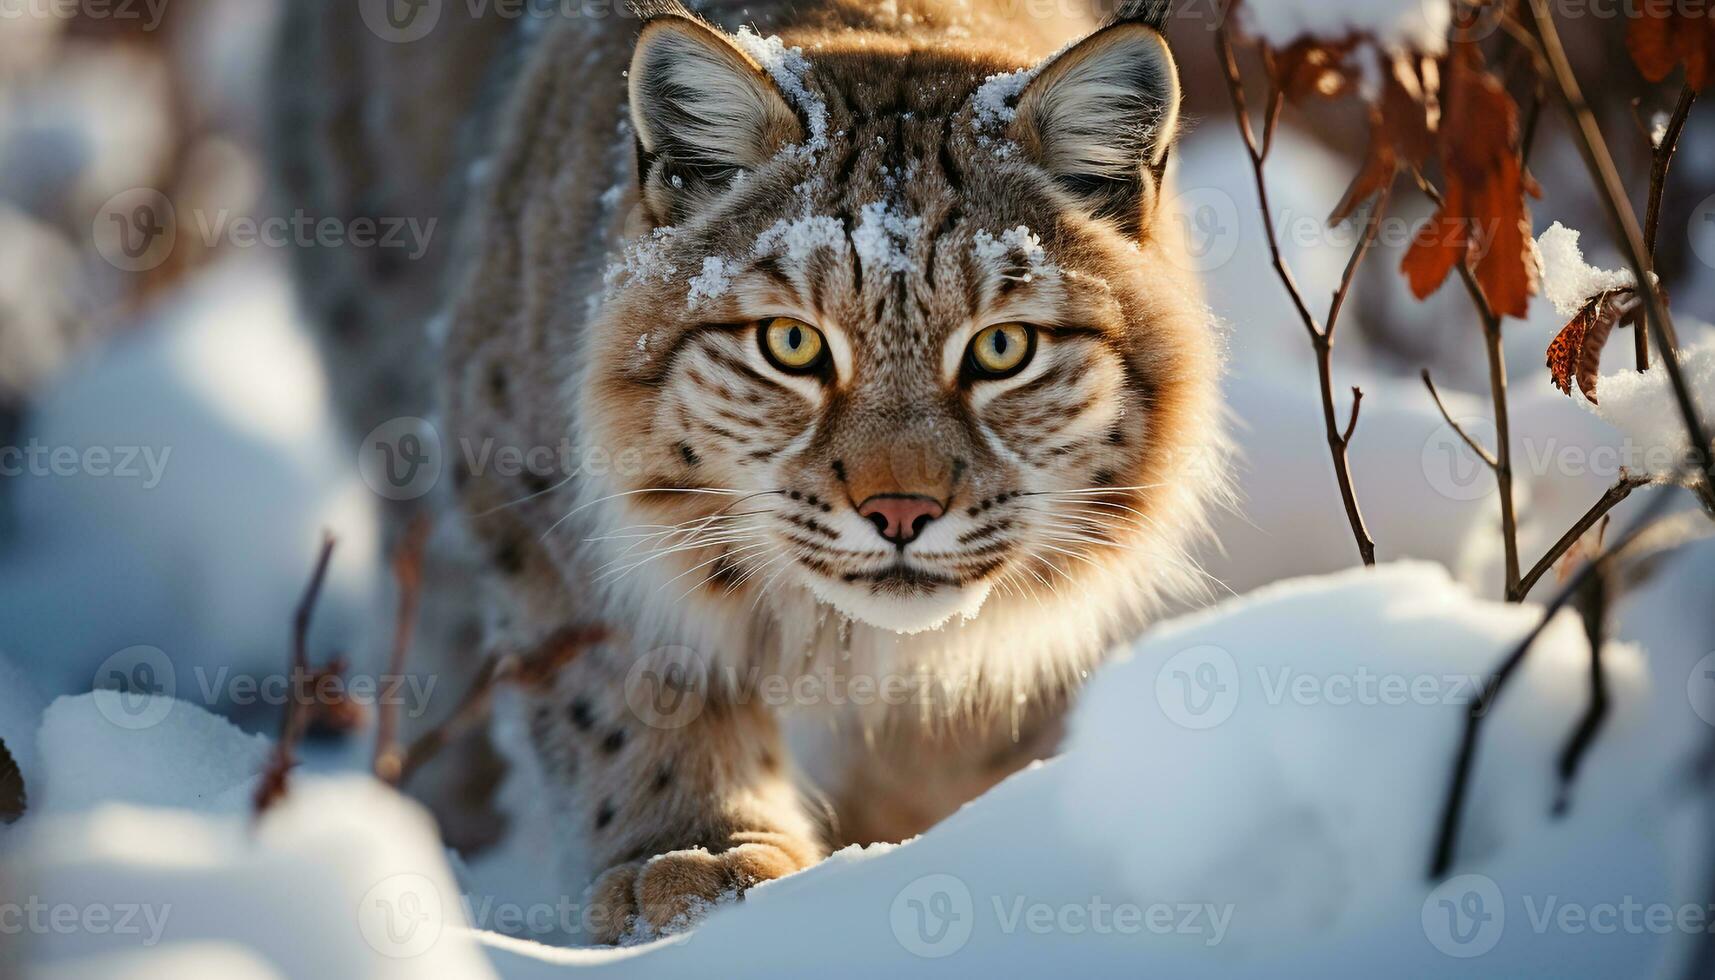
(867, 393)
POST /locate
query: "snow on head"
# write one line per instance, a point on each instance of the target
(1019, 241)
(713, 283)
(992, 105)
(1418, 24)
(883, 238)
(797, 238)
(1567, 280)
(788, 67)
(643, 260)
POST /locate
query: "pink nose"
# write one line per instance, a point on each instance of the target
(900, 518)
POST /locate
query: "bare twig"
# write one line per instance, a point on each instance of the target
(535, 669)
(1661, 158)
(1476, 447)
(1593, 602)
(1598, 511)
(408, 574)
(1321, 338)
(1452, 812)
(1502, 458)
(272, 785)
(1352, 423)
(1607, 179)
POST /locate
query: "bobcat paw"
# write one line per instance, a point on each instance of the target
(672, 892)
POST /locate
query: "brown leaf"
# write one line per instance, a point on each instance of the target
(1483, 218)
(1563, 350)
(1576, 352)
(1401, 130)
(1313, 66)
(1662, 34)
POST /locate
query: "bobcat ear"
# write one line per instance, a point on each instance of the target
(1101, 117)
(703, 112)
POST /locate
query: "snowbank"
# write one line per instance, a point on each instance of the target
(204, 467)
(1247, 792)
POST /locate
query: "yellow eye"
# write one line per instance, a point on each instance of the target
(792, 345)
(1002, 350)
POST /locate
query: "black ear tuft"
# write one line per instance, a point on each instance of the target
(1149, 13)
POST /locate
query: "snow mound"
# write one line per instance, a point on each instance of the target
(345, 879)
(152, 751)
(1247, 792)
(1249, 754)
(1567, 280)
(1644, 408)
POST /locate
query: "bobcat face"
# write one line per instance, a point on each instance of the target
(902, 332)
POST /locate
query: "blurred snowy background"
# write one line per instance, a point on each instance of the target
(174, 461)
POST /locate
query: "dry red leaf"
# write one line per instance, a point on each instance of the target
(1484, 218)
(1576, 352)
(1663, 34)
(1402, 129)
(1313, 66)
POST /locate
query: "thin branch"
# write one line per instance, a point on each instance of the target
(1598, 511)
(1612, 192)
(1352, 423)
(1661, 158)
(535, 669)
(1476, 447)
(1593, 602)
(408, 573)
(272, 786)
(1503, 455)
(1464, 764)
(1321, 338)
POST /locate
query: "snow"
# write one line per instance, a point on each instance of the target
(152, 751)
(1644, 408)
(1021, 241)
(1393, 23)
(1244, 793)
(798, 238)
(789, 68)
(993, 104)
(343, 879)
(713, 283)
(883, 239)
(642, 260)
(224, 467)
(1567, 280)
